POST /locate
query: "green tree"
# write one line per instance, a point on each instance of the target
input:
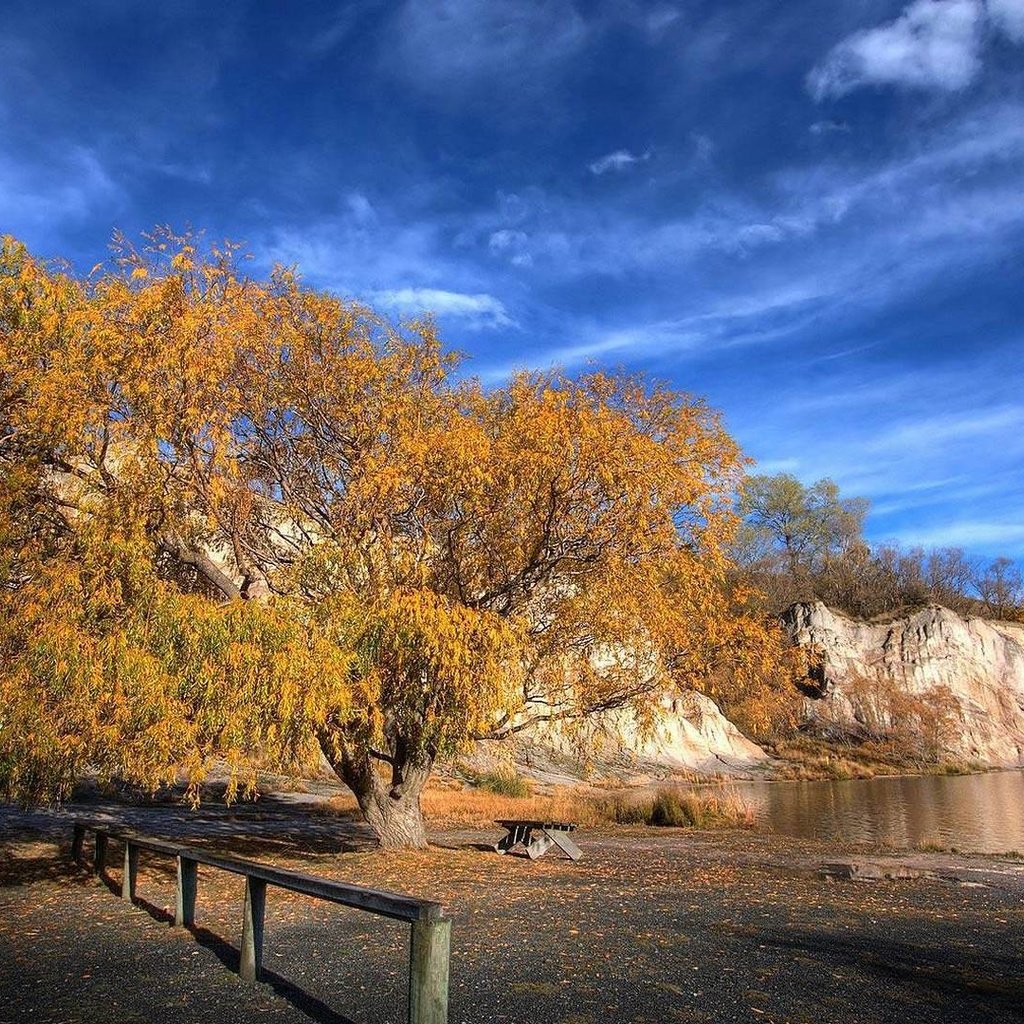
(803, 528)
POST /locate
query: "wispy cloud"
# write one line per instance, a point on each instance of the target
(73, 186)
(480, 310)
(829, 127)
(620, 160)
(460, 47)
(769, 467)
(1008, 16)
(514, 245)
(1000, 535)
(944, 429)
(361, 249)
(747, 321)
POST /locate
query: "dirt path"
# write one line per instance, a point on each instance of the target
(650, 926)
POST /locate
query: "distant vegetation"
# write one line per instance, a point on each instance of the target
(503, 783)
(800, 543)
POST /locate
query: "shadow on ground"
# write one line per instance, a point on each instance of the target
(905, 965)
(307, 1004)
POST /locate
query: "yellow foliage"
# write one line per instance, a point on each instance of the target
(243, 519)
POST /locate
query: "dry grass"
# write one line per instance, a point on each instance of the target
(810, 759)
(674, 807)
(717, 808)
(502, 783)
(477, 807)
(482, 807)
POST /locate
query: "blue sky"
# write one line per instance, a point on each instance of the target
(811, 213)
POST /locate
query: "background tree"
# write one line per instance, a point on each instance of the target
(806, 526)
(800, 543)
(1001, 588)
(792, 535)
(250, 522)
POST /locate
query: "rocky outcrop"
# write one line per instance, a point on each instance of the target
(689, 733)
(953, 686)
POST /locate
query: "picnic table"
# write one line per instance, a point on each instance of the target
(549, 833)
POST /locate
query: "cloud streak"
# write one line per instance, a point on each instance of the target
(619, 160)
(480, 310)
(466, 48)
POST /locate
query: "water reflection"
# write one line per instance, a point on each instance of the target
(982, 813)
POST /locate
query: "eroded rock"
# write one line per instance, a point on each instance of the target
(952, 685)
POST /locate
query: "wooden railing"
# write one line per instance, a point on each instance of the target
(430, 929)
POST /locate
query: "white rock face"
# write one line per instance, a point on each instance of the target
(973, 668)
(689, 733)
(692, 733)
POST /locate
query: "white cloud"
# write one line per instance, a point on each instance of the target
(704, 149)
(363, 249)
(620, 160)
(73, 186)
(829, 127)
(734, 323)
(481, 310)
(660, 18)
(458, 47)
(361, 209)
(950, 429)
(1008, 17)
(511, 245)
(336, 31)
(933, 44)
(947, 198)
(769, 467)
(1006, 536)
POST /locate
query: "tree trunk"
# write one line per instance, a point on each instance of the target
(397, 823)
(392, 811)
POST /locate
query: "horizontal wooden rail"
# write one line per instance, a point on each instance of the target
(430, 931)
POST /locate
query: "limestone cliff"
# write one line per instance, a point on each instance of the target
(689, 733)
(952, 684)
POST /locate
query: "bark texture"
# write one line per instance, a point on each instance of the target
(387, 787)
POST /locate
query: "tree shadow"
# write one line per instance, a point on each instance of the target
(272, 826)
(934, 969)
(480, 847)
(306, 1003)
(48, 867)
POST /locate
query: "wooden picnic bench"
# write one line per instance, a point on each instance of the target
(549, 833)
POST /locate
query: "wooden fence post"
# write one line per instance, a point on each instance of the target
(253, 914)
(100, 853)
(428, 972)
(131, 870)
(76, 843)
(185, 908)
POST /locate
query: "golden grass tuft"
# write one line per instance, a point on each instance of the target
(482, 807)
(719, 807)
(477, 807)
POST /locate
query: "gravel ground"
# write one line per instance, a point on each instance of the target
(652, 925)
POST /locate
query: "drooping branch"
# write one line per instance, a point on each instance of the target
(202, 564)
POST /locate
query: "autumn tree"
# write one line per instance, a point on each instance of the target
(250, 522)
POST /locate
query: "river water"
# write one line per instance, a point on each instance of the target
(971, 813)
